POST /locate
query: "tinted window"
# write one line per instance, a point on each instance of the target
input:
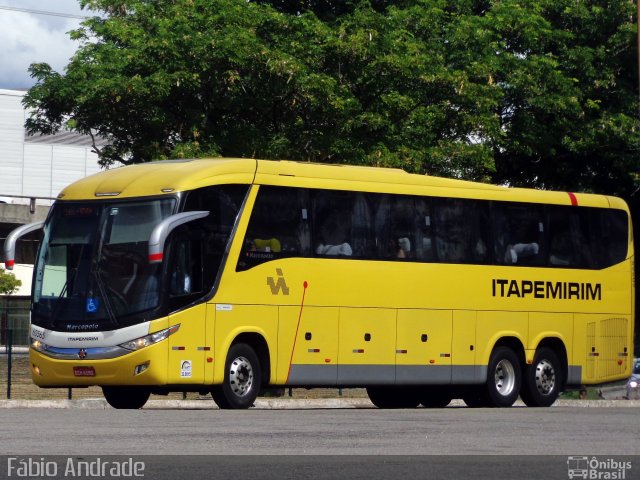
(518, 230)
(288, 222)
(198, 247)
(278, 227)
(342, 224)
(459, 230)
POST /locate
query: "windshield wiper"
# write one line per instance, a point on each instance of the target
(70, 279)
(103, 293)
(58, 304)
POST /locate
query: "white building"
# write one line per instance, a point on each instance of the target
(38, 166)
(34, 167)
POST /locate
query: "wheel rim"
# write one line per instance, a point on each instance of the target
(241, 376)
(505, 377)
(545, 377)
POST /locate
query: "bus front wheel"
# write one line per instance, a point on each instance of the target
(242, 379)
(542, 380)
(127, 398)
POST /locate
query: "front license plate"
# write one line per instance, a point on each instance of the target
(84, 371)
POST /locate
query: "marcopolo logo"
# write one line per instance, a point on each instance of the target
(279, 285)
(593, 468)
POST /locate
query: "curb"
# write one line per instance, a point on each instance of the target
(277, 404)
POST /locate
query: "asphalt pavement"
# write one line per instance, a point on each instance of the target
(276, 404)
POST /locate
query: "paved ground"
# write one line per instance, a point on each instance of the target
(277, 404)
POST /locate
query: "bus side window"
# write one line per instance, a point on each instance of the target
(613, 226)
(401, 229)
(362, 240)
(518, 233)
(277, 227)
(205, 241)
(568, 237)
(186, 277)
(332, 223)
(459, 233)
(423, 244)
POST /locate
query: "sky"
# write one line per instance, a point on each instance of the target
(27, 38)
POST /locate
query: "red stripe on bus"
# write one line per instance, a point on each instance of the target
(305, 285)
(574, 199)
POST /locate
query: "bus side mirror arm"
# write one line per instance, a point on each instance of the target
(12, 238)
(162, 230)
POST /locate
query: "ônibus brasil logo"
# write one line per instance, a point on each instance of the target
(593, 468)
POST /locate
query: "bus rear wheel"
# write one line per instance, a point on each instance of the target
(242, 379)
(393, 397)
(542, 380)
(476, 398)
(504, 378)
(126, 398)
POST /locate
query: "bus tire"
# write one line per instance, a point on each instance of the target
(393, 397)
(126, 398)
(435, 397)
(242, 379)
(476, 397)
(504, 378)
(542, 380)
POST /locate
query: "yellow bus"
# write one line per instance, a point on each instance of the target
(230, 276)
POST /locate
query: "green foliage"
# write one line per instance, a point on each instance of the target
(8, 283)
(540, 93)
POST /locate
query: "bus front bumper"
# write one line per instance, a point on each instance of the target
(147, 366)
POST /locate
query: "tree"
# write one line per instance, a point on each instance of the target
(539, 93)
(569, 109)
(8, 283)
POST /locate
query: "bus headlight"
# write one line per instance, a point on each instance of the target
(150, 339)
(38, 345)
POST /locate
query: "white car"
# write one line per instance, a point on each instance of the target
(633, 384)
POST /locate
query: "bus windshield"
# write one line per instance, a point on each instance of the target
(92, 270)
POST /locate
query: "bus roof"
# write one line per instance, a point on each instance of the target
(170, 176)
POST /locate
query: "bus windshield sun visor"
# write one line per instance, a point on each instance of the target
(162, 230)
(12, 238)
